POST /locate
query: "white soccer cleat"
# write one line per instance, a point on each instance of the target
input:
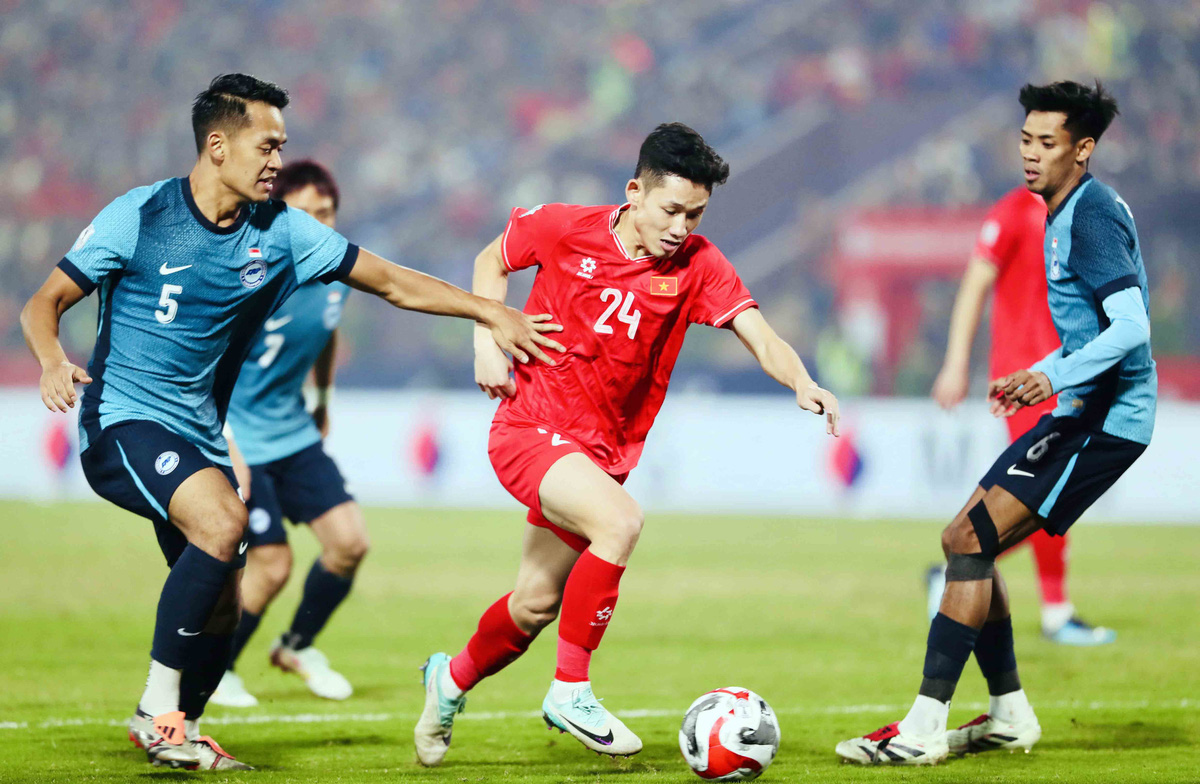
(164, 740)
(231, 692)
(989, 734)
(887, 746)
(213, 757)
(311, 664)
(573, 709)
(432, 733)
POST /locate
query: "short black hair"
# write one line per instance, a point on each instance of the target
(299, 175)
(1089, 110)
(223, 104)
(674, 148)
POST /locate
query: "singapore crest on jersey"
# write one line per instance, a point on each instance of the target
(254, 273)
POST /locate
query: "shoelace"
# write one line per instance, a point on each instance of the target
(592, 710)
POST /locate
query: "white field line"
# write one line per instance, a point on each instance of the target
(639, 713)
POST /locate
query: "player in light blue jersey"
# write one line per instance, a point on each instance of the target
(188, 270)
(1107, 386)
(283, 463)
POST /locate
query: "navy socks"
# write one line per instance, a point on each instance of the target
(200, 679)
(245, 630)
(323, 592)
(949, 646)
(188, 597)
(994, 652)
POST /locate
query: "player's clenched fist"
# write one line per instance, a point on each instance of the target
(821, 401)
(58, 385)
(520, 335)
(493, 368)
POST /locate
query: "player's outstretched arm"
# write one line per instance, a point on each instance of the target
(493, 368)
(39, 323)
(952, 381)
(782, 363)
(515, 332)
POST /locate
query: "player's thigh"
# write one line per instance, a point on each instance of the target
(578, 496)
(342, 530)
(546, 562)
(211, 514)
(991, 522)
(141, 466)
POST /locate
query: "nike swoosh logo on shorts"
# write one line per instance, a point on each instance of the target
(242, 547)
(165, 270)
(274, 324)
(557, 440)
(605, 739)
(182, 633)
(1014, 471)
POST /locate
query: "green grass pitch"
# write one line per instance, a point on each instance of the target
(823, 618)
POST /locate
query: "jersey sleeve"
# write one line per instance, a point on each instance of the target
(722, 294)
(529, 230)
(106, 245)
(1102, 247)
(998, 236)
(318, 252)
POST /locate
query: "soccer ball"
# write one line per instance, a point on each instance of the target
(729, 734)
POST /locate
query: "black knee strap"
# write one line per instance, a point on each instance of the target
(985, 531)
(964, 568)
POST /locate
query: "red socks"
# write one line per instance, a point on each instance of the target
(588, 602)
(496, 644)
(1050, 557)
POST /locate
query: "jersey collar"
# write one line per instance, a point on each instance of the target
(185, 186)
(1083, 181)
(612, 229)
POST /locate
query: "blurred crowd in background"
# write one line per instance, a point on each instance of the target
(439, 116)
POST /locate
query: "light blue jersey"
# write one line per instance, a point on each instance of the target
(181, 299)
(1097, 284)
(266, 412)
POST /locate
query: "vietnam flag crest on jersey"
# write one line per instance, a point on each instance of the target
(664, 286)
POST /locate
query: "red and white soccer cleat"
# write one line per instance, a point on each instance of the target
(163, 738)
(986, 733)
(887, 746)
(213, 757)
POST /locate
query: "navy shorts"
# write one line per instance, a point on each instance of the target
(300, 487)
(1060, 467)
(138, 465)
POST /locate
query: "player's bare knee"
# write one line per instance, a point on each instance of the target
(959, 538)
(535, 610)
(274, 567)
(346, 552)
(627, 524)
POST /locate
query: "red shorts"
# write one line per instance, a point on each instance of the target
(521, 456)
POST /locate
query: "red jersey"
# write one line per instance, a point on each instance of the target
(623, 324)
(1011, 238)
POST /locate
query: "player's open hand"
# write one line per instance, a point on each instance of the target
(522, 335)
(58, 385)
(1001, 405)
(821, 401)
(1028, 387)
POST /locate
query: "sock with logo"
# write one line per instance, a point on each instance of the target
(188, 597)
(200, 679)
(245, 630)
(589, 599)
(1050, 559)
(323, 592)
(162, 690)
(497, 643)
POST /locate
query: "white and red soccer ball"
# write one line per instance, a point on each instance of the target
(729, 734)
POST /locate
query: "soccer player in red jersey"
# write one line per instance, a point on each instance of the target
(1009, 258)
(626, 281)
